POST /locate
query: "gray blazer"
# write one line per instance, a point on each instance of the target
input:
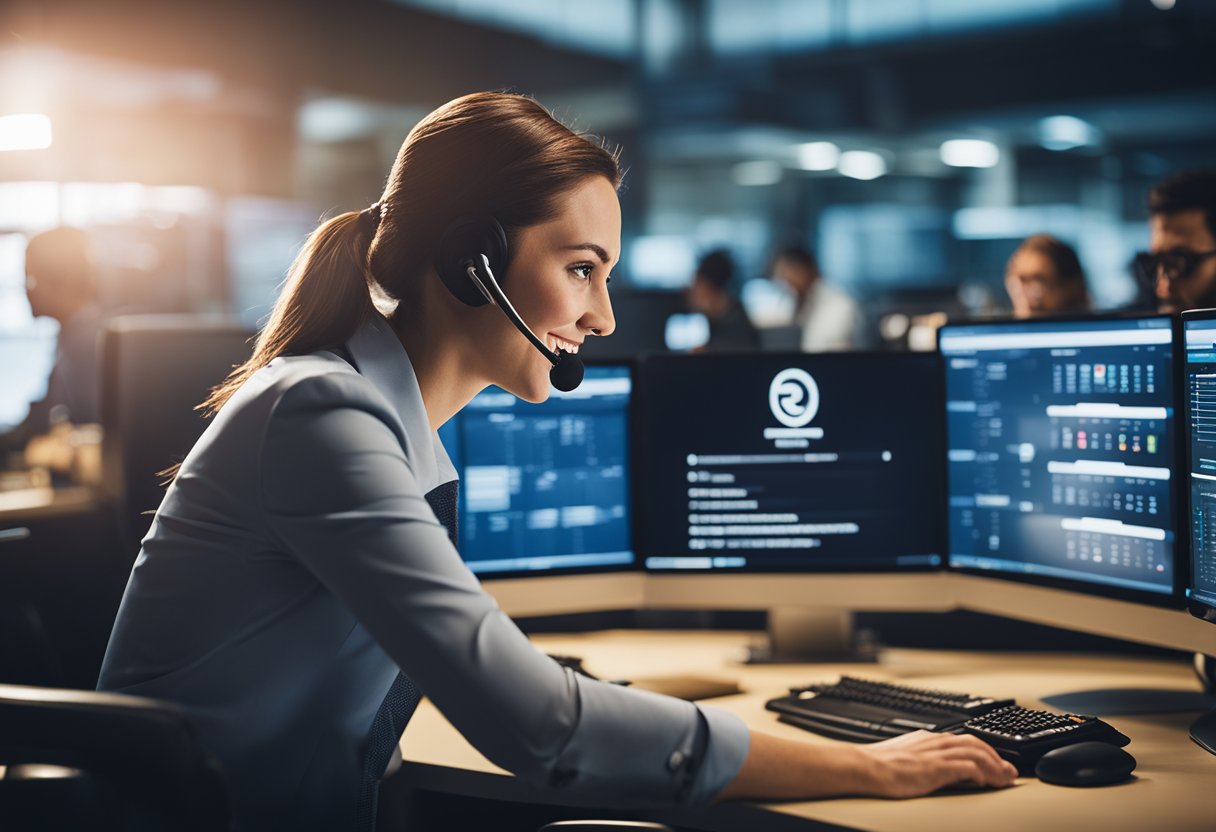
(294, 565)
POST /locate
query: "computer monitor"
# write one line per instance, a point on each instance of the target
(545, 490)
(790, 463)
(1199, 330)
(26, 358)
(1063, 462)
(1062, 453)
(788, 482)
(1199, 334)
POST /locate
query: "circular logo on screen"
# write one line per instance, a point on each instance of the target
(793, 397)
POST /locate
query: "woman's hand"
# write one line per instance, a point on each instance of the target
(919, 763)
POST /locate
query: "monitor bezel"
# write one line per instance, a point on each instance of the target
(507, 575)
(1181, 555)
(641, 489)
(1197, 608)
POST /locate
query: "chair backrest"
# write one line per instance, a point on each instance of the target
(144, 752)
(156, 370)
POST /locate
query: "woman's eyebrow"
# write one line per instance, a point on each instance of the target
(599, 250)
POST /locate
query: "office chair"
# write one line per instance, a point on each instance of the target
(156, 369)
(81, 759)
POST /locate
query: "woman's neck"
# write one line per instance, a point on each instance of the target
(443, 372)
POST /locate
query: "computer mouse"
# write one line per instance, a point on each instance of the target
(1085, 764)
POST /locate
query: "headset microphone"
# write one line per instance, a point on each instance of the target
(567, 372)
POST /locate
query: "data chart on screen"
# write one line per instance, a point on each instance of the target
(545, 486)
(1060, 448)
(1200, 337)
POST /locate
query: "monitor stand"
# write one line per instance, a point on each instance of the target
(812, 634)
(1128, 701)
(1203, 731)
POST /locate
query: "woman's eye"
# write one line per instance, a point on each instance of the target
(583, 270)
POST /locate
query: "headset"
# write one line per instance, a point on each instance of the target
(470, 251)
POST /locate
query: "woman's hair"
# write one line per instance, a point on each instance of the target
(1064, 261)
(486, 154)
(1063, 257)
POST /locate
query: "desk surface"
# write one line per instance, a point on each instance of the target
(1174, 779)
(44, 502)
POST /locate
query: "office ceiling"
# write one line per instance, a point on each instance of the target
(687, 77)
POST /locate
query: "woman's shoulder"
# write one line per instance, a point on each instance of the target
(318, 381)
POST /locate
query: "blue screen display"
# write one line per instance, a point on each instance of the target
(1060, 448)
(545, 486)
(1201, 426)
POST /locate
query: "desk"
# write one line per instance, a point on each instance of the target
(27, 504)
(1175, 778)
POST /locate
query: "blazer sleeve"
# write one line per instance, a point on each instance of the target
(339, 495)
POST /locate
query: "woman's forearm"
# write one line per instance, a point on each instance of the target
(907, 766)
(779, 768)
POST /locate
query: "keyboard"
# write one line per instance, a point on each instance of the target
(1022, 736)
(862, 710)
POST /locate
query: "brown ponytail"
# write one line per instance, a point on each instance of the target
(484, 154)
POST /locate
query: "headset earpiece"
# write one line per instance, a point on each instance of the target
(459, 247)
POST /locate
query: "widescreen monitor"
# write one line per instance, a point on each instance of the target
(765, 462)
(545, 488)
(1061, 453)
(1199, 329)
(1199, 336)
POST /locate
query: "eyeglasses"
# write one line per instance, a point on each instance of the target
(1175, 265)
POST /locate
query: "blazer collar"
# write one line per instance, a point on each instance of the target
(379, 357)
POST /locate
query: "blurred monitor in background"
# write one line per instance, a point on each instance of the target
(908, 319)
(1180, 266)
(60, 283)
(262, 236)
(642, 325)
(660, 261)
(829, 318)
(770, 306)
(1044, 277)
(686, 331)
(711, 294)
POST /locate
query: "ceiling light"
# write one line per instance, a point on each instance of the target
(26, 131)
(1164, 5)
(970, 153)
(817, 155)
(1066, 133)
(862, 164)
(761, 172)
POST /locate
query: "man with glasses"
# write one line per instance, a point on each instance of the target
(1180, 267)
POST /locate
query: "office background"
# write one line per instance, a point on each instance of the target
(199, 143)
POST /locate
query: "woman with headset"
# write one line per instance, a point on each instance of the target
(300, 588)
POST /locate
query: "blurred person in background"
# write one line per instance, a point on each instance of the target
(1044, 277)
(710, 294)
(1180, 265)
(60, 283)
(829, 318)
